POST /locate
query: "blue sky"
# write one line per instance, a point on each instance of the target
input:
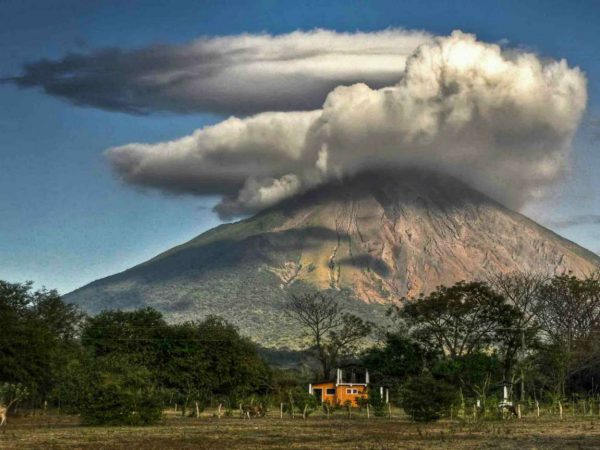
(66, 220)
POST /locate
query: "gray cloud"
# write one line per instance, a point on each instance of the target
(584, 219)
(501, 120)
(239, 74)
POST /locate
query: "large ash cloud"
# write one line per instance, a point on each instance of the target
(231, 75)
(501, 120)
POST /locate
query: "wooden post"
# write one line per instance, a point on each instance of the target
(219, 410)
(327, 408)
(560, 410)
(175, 407)
(537, 408)
(518, 410)
(389, 410)
(197, 410)
(281, 410)
(368, 415)
(304, 411)
(522, 370)
(291, 404)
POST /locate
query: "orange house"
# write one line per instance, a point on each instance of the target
(338, 392)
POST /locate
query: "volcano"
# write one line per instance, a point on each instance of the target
(378, 235)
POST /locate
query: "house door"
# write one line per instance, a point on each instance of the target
(319, 394)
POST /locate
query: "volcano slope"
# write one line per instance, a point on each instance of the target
(378, 235)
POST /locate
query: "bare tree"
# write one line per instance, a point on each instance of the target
(521, 290)
(570, 318)
(334, 333)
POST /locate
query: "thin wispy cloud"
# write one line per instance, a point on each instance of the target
(241, 74)
(568, 222)
(593, 124)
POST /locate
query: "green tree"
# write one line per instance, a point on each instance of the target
(39, 337)
(397, 359)
(195, 361)
(475, 373)
(459, 320)
(138, 334)
(426, 399)
(210, 358)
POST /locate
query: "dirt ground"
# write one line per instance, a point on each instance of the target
(65, 432)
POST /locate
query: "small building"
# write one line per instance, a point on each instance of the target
(339, 391)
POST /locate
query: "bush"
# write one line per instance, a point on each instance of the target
(301, 398)
(120, 393)
(377, 402)
(426, 399)
(11, 393)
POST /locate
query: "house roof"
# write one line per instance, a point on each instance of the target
(324, 382)
(344, 383)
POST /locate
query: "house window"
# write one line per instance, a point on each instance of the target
(330, 391)
(355, 391)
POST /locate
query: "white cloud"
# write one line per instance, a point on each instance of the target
(501, 120)
(218, 159)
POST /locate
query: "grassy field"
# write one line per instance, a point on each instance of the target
(65, 432)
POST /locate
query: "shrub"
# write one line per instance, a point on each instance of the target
(302, 399)
(12, 393)
(362, 402)
(426, 399)
(377, 402)
(120, 393)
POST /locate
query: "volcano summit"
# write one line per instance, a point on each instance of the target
(381, 235)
